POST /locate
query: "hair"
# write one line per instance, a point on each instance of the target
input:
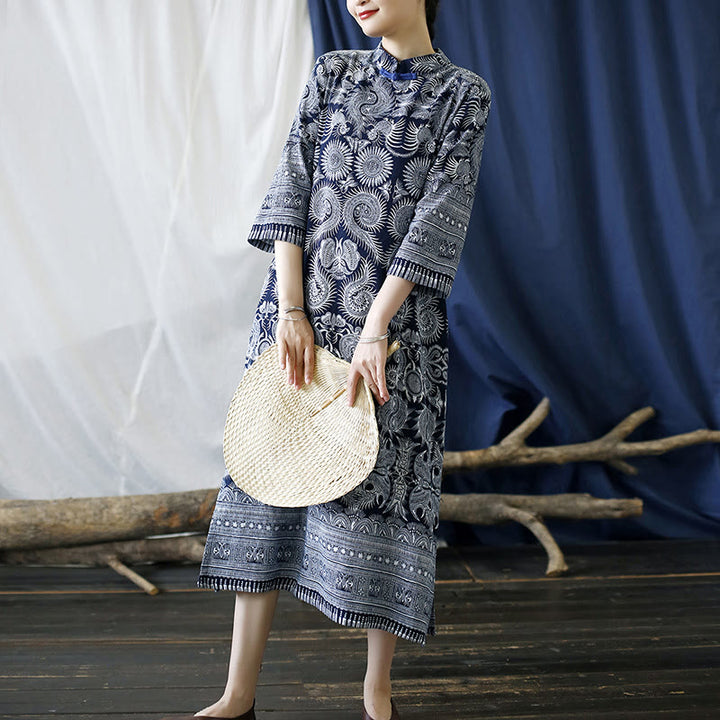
(431, 7)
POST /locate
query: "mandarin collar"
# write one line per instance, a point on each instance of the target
(409, 68)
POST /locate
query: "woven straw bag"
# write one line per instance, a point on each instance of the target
(293, 447)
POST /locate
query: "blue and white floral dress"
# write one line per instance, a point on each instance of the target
(377, 178)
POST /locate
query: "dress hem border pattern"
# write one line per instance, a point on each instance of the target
(312, 597)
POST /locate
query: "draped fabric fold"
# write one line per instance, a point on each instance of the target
(591, 270)
(133, 163)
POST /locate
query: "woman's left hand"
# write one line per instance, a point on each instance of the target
(369, 358)
(368, 362)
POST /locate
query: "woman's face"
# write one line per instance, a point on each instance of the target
(379, 18)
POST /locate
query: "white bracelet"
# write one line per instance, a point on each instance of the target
(374, 339)
(292, 319)
(294, 307)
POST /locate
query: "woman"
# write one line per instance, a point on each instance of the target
(366, 214)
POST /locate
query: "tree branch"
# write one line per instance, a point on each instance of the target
(610, 448)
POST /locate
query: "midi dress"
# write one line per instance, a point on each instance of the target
(377, 178)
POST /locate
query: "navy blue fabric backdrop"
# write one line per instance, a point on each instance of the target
(591, 273)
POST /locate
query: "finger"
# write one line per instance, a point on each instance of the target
(281, 353)
(372, 386)
(373, 391)
(299, 367)
(382, 387)
(294, 379)
(309, 363)
(290, 366)
(378, 395)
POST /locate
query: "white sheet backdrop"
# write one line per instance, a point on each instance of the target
(137, 140)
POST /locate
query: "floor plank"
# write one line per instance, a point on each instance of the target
(632, 631)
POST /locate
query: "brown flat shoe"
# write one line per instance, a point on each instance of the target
(249, 715)
(395, 714)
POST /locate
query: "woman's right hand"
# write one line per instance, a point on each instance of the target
(296, 349)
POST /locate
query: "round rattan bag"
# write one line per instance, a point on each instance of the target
(293, 447)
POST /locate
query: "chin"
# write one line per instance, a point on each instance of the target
(371, 31)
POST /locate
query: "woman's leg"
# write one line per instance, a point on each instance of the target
(251, 627)
(376, 687)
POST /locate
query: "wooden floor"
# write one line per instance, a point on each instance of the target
(632, 631)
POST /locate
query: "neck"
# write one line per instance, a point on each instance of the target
(411, 43)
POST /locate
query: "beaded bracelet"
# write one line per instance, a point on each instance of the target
(374, 339)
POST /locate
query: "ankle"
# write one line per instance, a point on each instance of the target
(377, 686)
(240, 700)
(377, 702)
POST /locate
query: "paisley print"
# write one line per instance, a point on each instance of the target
(346, 346)
(318, 288)
(366, 102)
(400, 218)
(394, 413)
(363, 214)
(377, 178)
(380, 131)
(325, 210)
(358, 294)
(429, 317)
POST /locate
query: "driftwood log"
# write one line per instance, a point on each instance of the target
(99, 523)
(529, 510)
(32, 524)
(609, 448)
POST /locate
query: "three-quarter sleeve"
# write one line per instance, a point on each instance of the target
(430, 251)
(283, 213)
